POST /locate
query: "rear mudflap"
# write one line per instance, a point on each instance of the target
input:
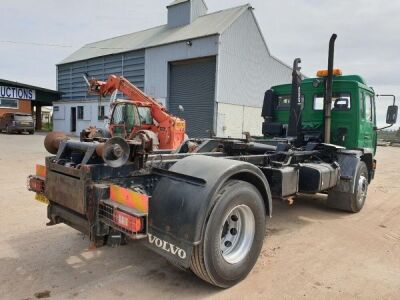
(67, 191)
(176, 251)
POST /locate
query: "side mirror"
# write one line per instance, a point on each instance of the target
(391, 115)
(269, 104)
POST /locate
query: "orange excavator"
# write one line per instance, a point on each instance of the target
(138, 114)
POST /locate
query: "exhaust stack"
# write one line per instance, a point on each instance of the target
(328, 91)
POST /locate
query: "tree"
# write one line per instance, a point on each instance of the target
(398, 133)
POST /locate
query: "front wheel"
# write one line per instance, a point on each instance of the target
(233, 236)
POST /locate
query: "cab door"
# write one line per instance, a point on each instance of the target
(367, 124)
(124, 118)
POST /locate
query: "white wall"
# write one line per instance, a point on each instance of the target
(234, 119)
(62, 117)
(246, 68)
(156, 62)
(198, 9)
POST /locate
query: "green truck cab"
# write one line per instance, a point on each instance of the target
(353, 111)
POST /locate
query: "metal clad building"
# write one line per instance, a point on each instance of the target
(217, 66)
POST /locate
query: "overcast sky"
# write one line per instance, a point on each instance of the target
(368, 34)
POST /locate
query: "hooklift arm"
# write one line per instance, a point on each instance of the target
(113, 83)
(294, 128)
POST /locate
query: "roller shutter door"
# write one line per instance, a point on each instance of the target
(192, 85)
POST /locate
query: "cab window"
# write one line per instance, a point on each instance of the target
(283, 102)
(125, 114)
(118, 115)
(369, 115)
(130, 116)
(340, 101)
(145, 115)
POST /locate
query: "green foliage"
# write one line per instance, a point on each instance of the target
(47, 126)
(389, 135)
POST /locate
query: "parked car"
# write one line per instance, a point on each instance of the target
(17, 122)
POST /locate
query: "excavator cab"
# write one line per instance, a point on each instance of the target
(139, 112)
(126, 116)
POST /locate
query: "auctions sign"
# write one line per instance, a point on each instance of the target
(17, 93)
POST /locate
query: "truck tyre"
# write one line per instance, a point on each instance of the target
(352, 202)
(233, 236)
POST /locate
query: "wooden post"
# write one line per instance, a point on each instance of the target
(38, 115)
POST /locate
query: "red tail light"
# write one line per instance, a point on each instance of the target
(36, 184)
(128, 222)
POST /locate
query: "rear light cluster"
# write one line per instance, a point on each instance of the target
(128, 222)
(36, 184)
(123, 219)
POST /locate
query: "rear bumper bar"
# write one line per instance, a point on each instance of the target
(58, 214)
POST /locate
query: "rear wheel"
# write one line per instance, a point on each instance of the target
(233, 236)
(31, 131)
(352, 202)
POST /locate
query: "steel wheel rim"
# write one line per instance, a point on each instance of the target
(237, 234)
(362, 189)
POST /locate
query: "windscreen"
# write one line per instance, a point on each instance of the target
(23, 118)
(125, 114)
(340, 101)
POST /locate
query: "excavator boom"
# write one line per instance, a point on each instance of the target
(169, 129)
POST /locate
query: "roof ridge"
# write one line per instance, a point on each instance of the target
(152, 28)
(122, 35)
(221, 24)
(221, 10)
(242, 7)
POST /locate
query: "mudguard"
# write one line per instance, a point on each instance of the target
(348, 161)
(184, 197)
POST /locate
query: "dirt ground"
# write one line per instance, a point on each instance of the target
(309, 251)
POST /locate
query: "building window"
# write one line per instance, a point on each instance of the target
(80, 113)
(9, 103)
(56, 108)
(100, 112)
